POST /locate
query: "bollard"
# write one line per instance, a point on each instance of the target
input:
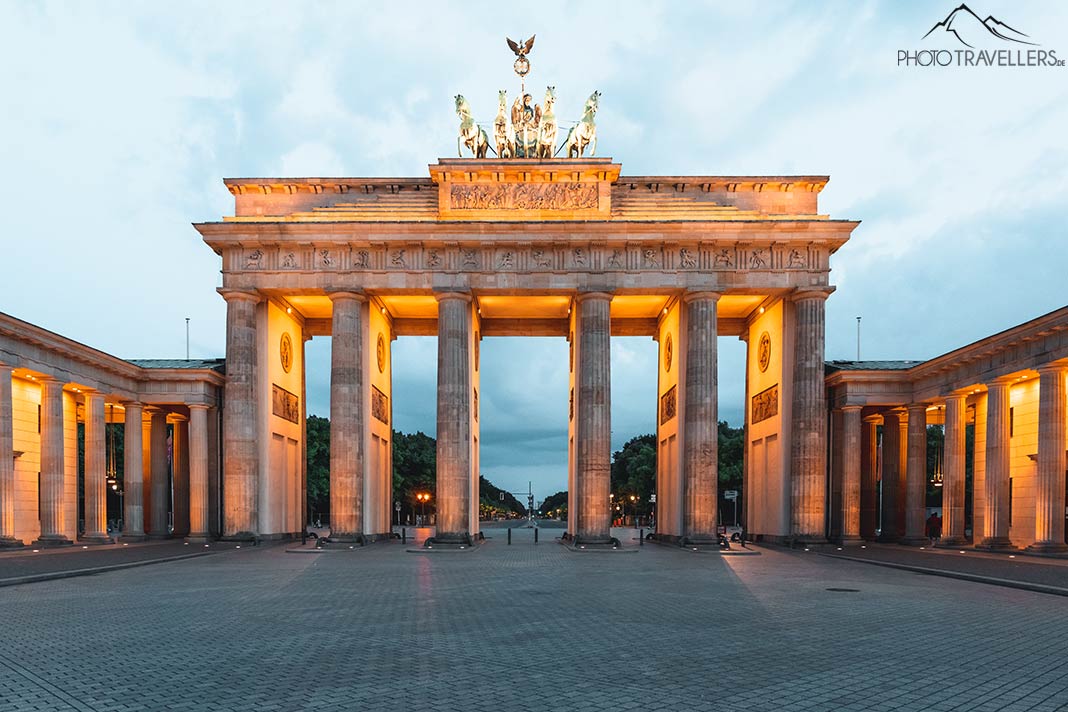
(641, 537)
(509, 536)
(535, 535)
(404, 535)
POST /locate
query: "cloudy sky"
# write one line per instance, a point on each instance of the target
(121, 119)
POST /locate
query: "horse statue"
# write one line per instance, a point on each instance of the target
(547, 130)
(502, 139)
(584, 132)
(471, 134)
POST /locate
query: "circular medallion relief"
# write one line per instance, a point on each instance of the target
(668, 353)
(764, 351)
(285, 351)
(380, 350)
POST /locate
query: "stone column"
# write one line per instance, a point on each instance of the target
(869, 498)
(347, 418)
(1049, 479)
(891, 475)
(953, 472)
(454, 419)
(96, 485)
(198, 474)
(851, 474)
(808, 442)
(240, 447)
(594, 432)
(133, 519)
(700, 462)
(52, 465)
(160, 482)
(180, 475)
(916, 476)
(7, 462)
(996, 510)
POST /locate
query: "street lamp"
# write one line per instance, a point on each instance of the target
(634, 502)
(423, 498)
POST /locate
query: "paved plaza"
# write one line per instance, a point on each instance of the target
(527, 627)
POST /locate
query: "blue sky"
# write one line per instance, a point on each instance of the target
(121, 119)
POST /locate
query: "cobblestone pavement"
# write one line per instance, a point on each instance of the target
(527, 627)
(1015, 567)
(27, 562)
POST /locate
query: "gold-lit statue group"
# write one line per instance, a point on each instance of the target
(533, 128)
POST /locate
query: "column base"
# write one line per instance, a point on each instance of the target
(49, 541)
(10, 542)
(348, 538)
(198, 538)
(1047, 547)
(96, 539)
(239, 537)
(915, 541)
(157, 537)
(851, 541)
(450, 541)
(996, 543)
(594, 542)
(951, 542)
(133, 538)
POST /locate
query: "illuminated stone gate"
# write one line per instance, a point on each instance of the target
(564, 247)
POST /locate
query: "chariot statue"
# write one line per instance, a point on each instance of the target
(529, 130)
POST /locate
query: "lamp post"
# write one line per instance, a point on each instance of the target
(634, 503)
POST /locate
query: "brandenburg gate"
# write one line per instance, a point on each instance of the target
(565, 247)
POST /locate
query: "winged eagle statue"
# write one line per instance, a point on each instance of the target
(521, 49)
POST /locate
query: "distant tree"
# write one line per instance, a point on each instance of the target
(414, 469)
(633, 471)
(554, 502)
(318, 442)
(731, 452)
(490, 495)
(935, 443)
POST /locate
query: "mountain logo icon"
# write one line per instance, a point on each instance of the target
(970, 30)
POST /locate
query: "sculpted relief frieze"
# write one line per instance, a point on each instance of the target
(634, 256)
(524, 196)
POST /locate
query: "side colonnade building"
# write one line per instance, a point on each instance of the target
(1002, 404)
(169, 414)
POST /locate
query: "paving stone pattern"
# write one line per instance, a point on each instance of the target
(527, 628)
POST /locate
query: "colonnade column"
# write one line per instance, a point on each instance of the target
(160, 481)
(1049, 479)
(700, 464)
(593, 441)
(133, 518)
(454, 419)
(891, 475)
(240, 446)
(953, 472)
(52, 465)
(7, 462)
(347, 417)
(916, 476)
(198, 474)
(808, 446)
(869, 499)
(996, 511)
(96, 526)
(851, 474)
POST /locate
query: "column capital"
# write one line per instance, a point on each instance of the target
(583, 296)
(232, 295)
(198, 406)
(6, 367)
(851, 408)
(1054, 367)
(874, 419)
(131, 404)
(445, 296)
(916, 407)
(346, 294)
(688, 297)
(804, 293)
(93, 393)
(1005, 381)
